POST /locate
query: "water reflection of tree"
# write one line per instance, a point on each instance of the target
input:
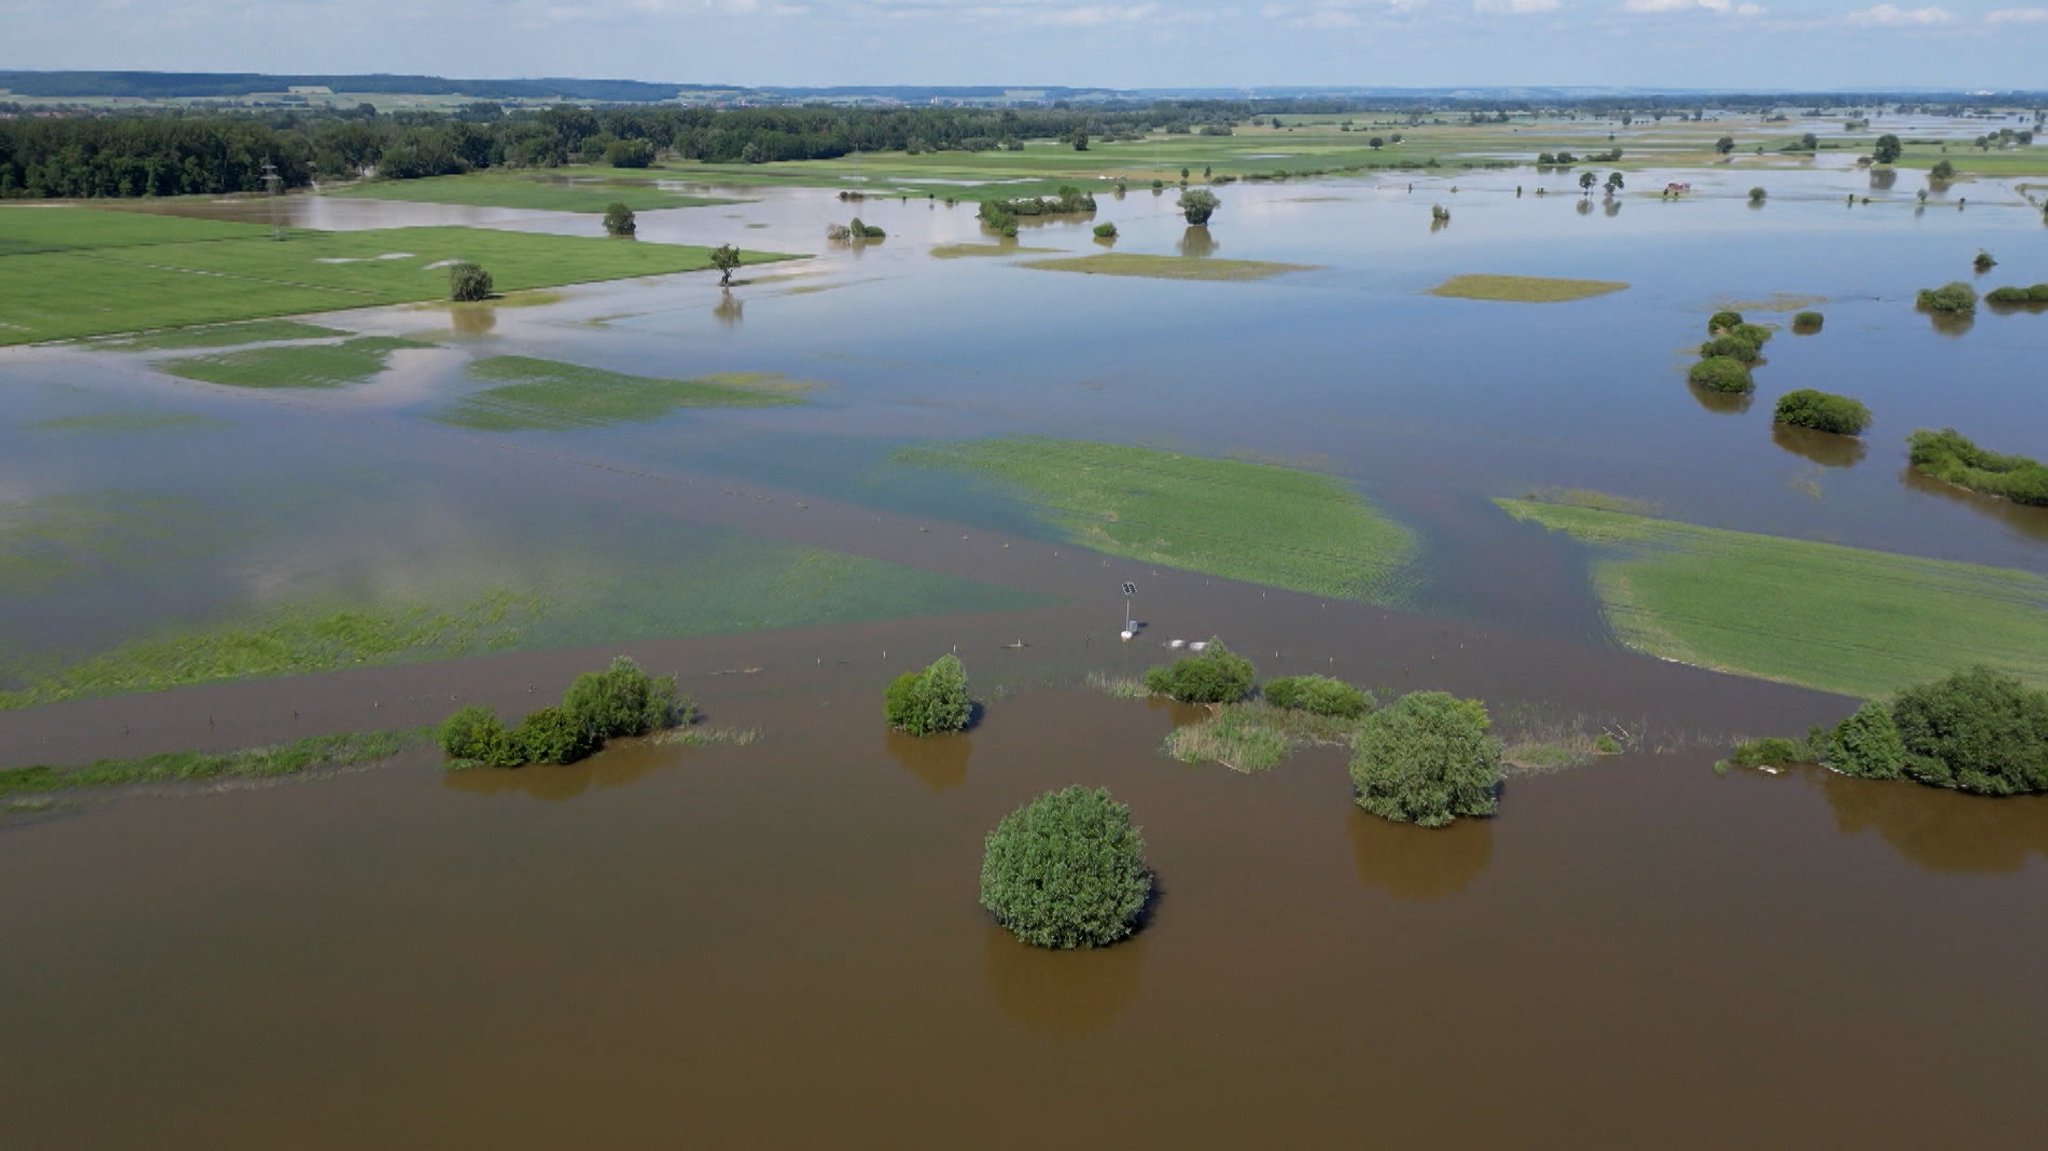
(2031, 522)
(729, 310)
(1409, 862)
(938, 761)
(1952, 323)
(1823, 448)
(1721, 403)
(1065, 994)
(615, 766)
(1882, 179)
(1196, 241)
(1613, 207)
(473, 321)
(1941, 831)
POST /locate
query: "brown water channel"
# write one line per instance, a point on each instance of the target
(778, 946)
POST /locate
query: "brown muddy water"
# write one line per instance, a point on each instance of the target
(778, 945)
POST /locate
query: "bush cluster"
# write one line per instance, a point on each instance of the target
(1952, 299)
(1217, 675)
(1721, 374)
(1732, 347)
(1429, 759)
(930, 701)
(1105, 231)
(1197, 205)
(1721, 323)
(621, 700)
(1807, 323)
(1823, 412)
(1946, 455)
(468, 283)
(1066, 870)
(2038, 294)
(619, 221)
(1318, 695)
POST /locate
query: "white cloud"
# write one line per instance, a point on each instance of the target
(1516, 7)
(1893, 16)
(1719, 7)
(2018, 16)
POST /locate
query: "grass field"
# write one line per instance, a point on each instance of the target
(220, 336)
(79, 283)
(327, 751)
(294, 365)
(1524, 289)
(537, 394)
(965, 251)
(1166, 267)
(1244, 521)
(591, 190)
(1838, 618)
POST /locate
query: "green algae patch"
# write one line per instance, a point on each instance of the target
(1524, 289)
(325, 751)
(1255, 522)
(1837, 618)
(220, 336)
(294, 365)
(1168, 267)
(547, 394)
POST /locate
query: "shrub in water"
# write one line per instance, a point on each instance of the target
(1428, 759)
(1978, 730)
(1217, 675)
(930, 701)
(1066, 870)
(622, 700)
(1773, 752)
(1807, 323)
(474, 735)
(1954, 298)
(467, 282)
(1721, 374)
(552, 735)
(1867, 744)
(1318, 695)
(2038, 294)
(1733, 347)
(1948, 456)
(1722, 322)
(1198, 204)
(1105, 231)
(618, 220)
(1823, 412)
(1755, 333)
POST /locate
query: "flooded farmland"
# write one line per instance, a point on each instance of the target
(778, 944)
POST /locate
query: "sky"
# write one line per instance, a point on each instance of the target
(1778, 44)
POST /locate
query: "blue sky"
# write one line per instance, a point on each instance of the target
(1121, 43)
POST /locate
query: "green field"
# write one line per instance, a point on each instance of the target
(588, 191)
(1524, 289)
(162, 276)
(326, 751)
(1837, 618)
(534, 394)
(1166, 267)
(1231, 518)
(221, 336)
(294, 365)
(965, 251)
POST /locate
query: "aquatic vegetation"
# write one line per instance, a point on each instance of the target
(326, 751)
(294, 365)
(1525, 289)
(47, 541)
(1255, 736)
(220, 336)
(1732, 347)
(1822, 411)
(1837, 618)
(1721, 374)
(931, 701)
(2036, 295)
(1166, 267)
(1318, 695)
(1953, 298)
(536, 394)
(1231, 518)
(1723, 322)
(1216, 675)
(1118, 687)
(1807, 323)
(1429, 759)
(1067, 870)
(694, 734)
(1948, 456)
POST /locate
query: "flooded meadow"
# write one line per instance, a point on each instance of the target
(778, 944)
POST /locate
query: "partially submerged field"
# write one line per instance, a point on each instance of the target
(1166, 267)
(1232, 518)
(545, 394)
(1841, 619)
(1524, 289)
(84, 272)
(590, 191)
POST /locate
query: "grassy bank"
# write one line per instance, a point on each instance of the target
(1837, 618)
(1232, 518)
(1524, 289)
(546, 394)
(85, 272)
(294, 365)
(221, 336)
(327, 751)
(592, 191)
(1166, 267)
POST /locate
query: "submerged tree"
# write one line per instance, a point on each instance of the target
(1198, 204)
(619, 221)
(725, 258)
(468, 282)
(1066, 870)
(1887, 149)
(1429, 759)
(931, 701)
(1586, 182)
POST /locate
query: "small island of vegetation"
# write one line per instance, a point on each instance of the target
(1951, 299)
(1524, 289)
(1948, 456)
(1428, 760)
(1067, 870)
(931, 701)
(620, 701)
(1822, 411)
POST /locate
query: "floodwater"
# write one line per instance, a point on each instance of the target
(778, 945)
